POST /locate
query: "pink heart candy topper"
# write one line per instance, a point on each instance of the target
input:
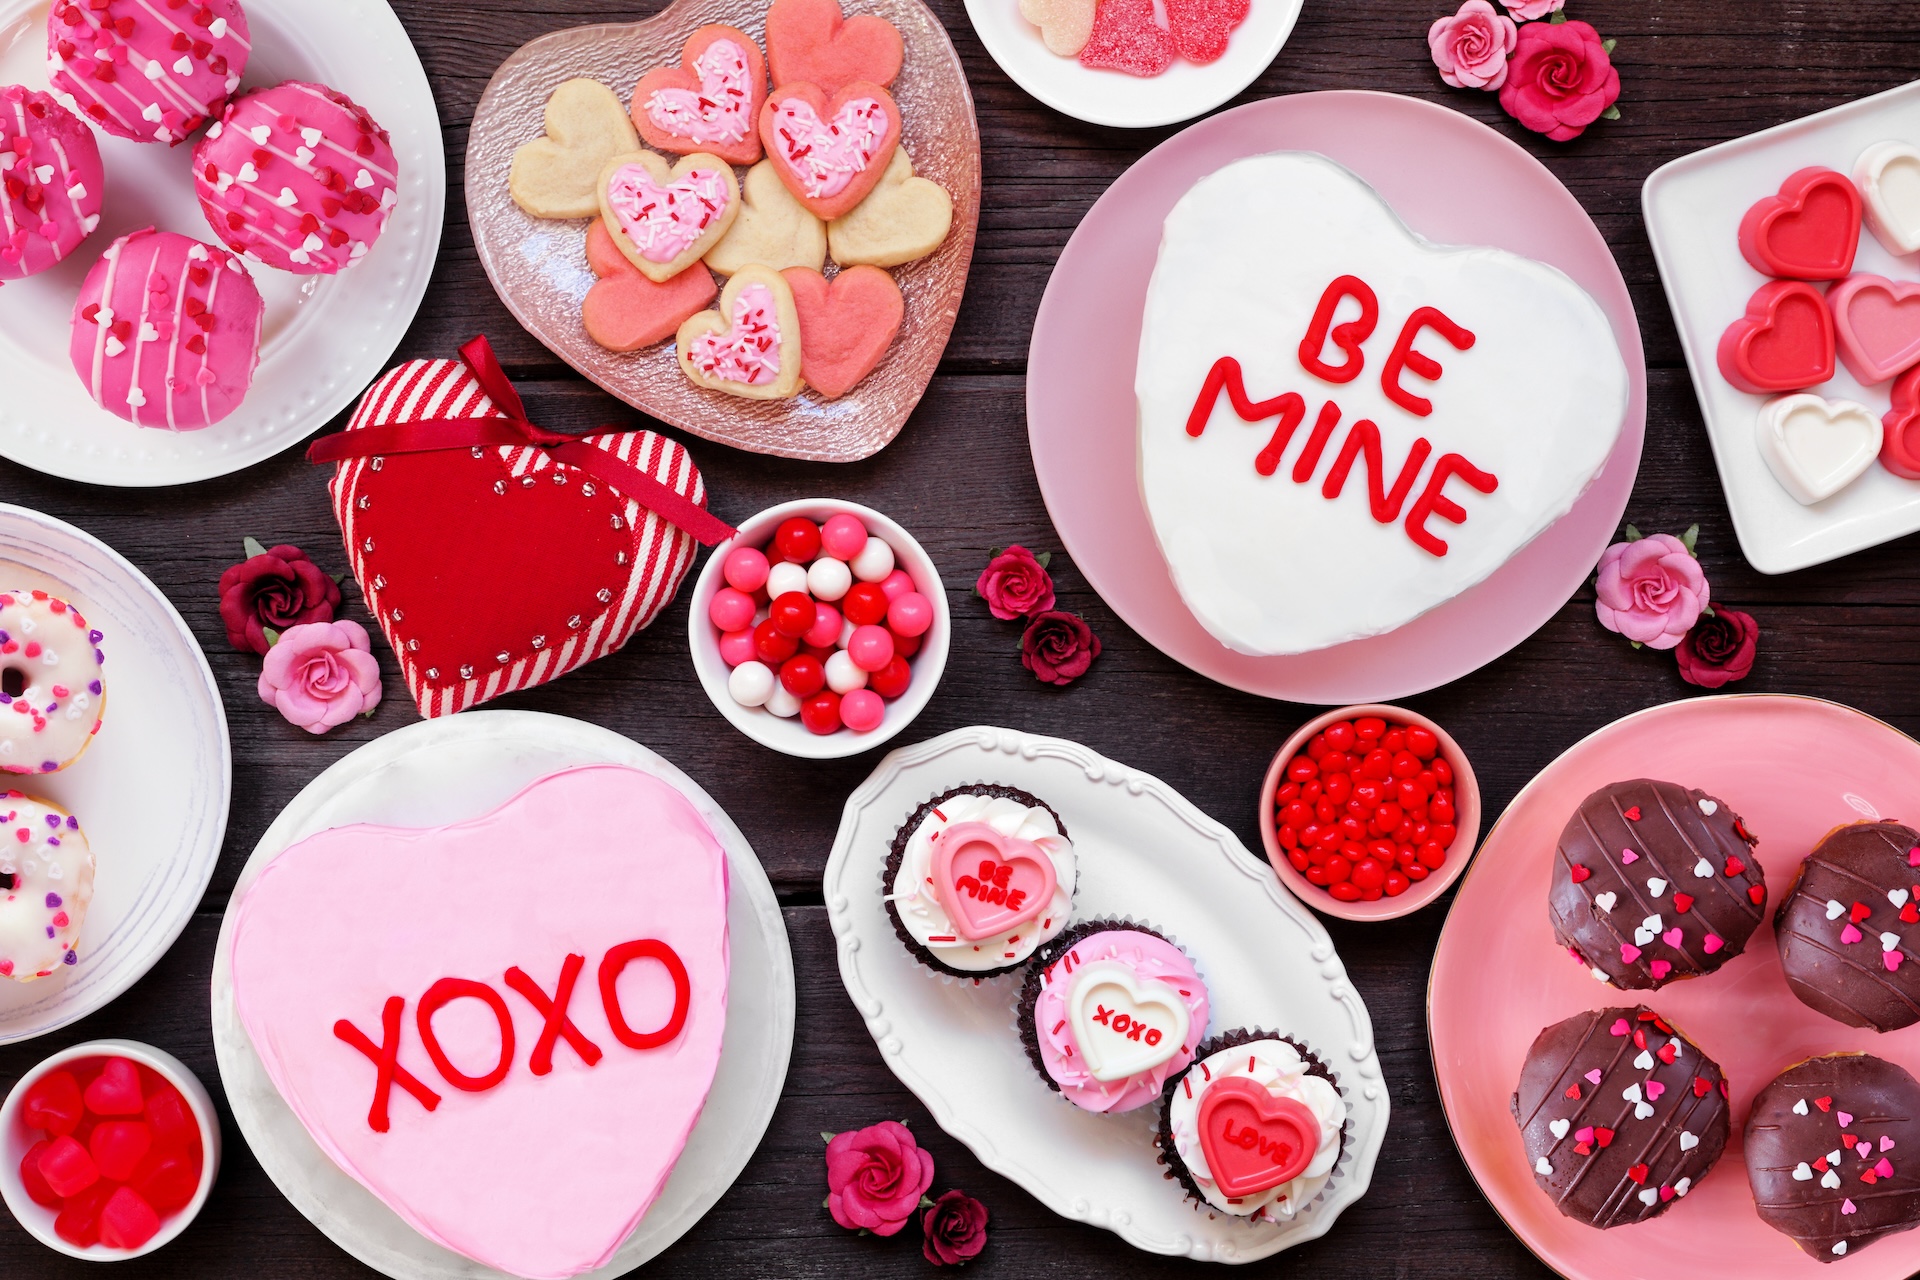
(1252, 1140)
(989, 883)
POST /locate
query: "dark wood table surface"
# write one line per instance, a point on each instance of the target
(1695, 72)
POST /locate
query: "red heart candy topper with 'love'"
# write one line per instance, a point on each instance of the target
(1252, 1140)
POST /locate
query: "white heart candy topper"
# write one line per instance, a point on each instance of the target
(1888, 175)
(1817, 447)
(1342, 425)
(1124, 1025)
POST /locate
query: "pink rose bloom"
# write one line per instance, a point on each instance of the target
(1471, 47)
(1528, 10)
(1651, 591)
(321, 674)
(876, 1176)
(1559, 79)
(1015, 585)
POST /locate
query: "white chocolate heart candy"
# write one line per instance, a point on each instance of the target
(1816, 447)
(1888, 175)
(1124, 1026)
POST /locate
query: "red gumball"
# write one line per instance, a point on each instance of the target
(865, 604)
(821, 712)
(891, 680)
(770, 646)
(797, 540)
(907, 646)
(792, 614)
(803, 675)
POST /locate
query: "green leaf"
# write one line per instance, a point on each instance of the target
(1559, 16)
(825, 1136)
(339, 578)
(1633, 534)
(1045, 558)
(1710, 613)
(926, 1201)
(1607, 46)
(1636, 644)
(1691, 536)
(1611, 113)
(252, 547)
(273, 637)
(993, 553)
(827, 1203)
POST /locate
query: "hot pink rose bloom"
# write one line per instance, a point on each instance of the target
(1471, 47)
(1650, 591)
(876, 1176)
(1559, 79)
(1528, 10)
(321, 674)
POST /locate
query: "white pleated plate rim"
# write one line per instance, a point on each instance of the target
(326, 338)
(1145, 852)
(151, 792)
(446, 770)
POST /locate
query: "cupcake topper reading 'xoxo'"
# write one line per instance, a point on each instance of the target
(1123, 1025)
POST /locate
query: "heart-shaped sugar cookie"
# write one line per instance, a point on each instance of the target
(665, 219)
(624, 310)
(846, 324)
(710, 102)
(773, 230)
(987, 882)
(1876, 322)
(1817, 447)
(557, 175)
(1888, 176)
(811, 41)
(751, 346)
(902, 218)
(830, 152)
(1126, 38)
(1784, 342)
(1064, 24)
(1124, 1025)
(1251, 1140)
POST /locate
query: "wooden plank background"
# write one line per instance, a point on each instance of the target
(1695, 72)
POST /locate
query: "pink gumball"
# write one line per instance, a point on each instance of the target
(870, 647)
(910, 615)
(843, 536)
(731, 610)
(825, 631)
(736, 647)
(862, 710)
(897, 584)
(745, 569)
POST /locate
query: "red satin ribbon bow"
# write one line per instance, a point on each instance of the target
(430, 434)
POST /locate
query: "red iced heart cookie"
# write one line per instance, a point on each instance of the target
(710, 102)
(846, 324)
(494, 568)
(810, 40)
(1877, 324)
(625, 311)
(1201, 28)
(1809, 231)
(989, 883)
(1252, 1140)
(1900, 447)
(1785, 342)
(1126, 38)
(830, 151)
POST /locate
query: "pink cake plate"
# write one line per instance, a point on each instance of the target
(1454, 181)
(1793, 768)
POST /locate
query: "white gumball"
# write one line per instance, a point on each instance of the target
(846, 632)
(782, 703)
(842, 675)
(874, 562)
(829, 579)
(785, 577)
(750, 683)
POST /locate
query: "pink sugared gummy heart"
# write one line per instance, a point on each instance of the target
(1200, 29)
(127, 1221)
(1126, 38)
(116, 1090)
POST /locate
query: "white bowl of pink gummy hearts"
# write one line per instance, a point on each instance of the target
(820, 629)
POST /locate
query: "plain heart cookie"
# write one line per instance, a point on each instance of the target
(514, 1074)
(830, 151)
(773, 230)
(1312, 482)
(1064, 24)
(846, 324)
(710, 102)
(811, 41)
(904, 217)
(624, 310)
(665, 219)
(751, 345)
(557, 175)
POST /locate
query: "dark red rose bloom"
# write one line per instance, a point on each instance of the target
(1015, 585)
(1559, 79)
(1719, 649)
(956, 1229)
(279, 589)
(1058, 647)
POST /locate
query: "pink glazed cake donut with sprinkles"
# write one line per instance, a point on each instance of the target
(51, 181)
(52, 686)
(46, 883)
(298, 177)
(146, 70)
(166, 331)
(1110, 1012)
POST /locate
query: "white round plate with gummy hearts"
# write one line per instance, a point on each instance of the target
(326, 337)
(1142, 851)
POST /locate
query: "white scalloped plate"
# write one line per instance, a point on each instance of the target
(326, 337)
(1145, 852)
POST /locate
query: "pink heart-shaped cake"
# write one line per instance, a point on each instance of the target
(504, 1028)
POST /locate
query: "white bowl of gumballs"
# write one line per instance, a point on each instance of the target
(820, 629)
(108, 1150)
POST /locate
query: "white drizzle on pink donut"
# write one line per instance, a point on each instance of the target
(149, 70)
(46, 885)
(51, 181)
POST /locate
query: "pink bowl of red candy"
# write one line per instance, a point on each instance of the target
(820, 629)
(1369, 812)
(108, 1150)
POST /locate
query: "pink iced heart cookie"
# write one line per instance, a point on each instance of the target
(710, 102)
(1876, 322)
(624, 310)
(846, 324)
(811, 41)
(478, 1069)
(1126, 38)
(665, 219)
(750, 346)
(830, 152)
(987, 882)
(1201, 28)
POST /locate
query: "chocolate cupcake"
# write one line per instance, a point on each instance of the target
(1833, 1153)
(978, 878)
(1653, 883)
(1621, 1115)
(1110, 1011)
(1254, 1128)
(1849, 928)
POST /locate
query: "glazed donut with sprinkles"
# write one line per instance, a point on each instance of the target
(46, 883)
(51, 182)
(52, 687)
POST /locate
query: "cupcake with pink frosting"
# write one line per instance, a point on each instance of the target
(1110, 1012)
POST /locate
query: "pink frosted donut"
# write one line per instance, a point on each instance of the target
(298, 177)
(51, 181)
(166, 331)
(147, 70)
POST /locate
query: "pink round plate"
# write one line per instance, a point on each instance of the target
(1793, 768)
(1080, 407)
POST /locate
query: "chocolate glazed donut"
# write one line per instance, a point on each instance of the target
(1653, 883)
(1849, 928)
